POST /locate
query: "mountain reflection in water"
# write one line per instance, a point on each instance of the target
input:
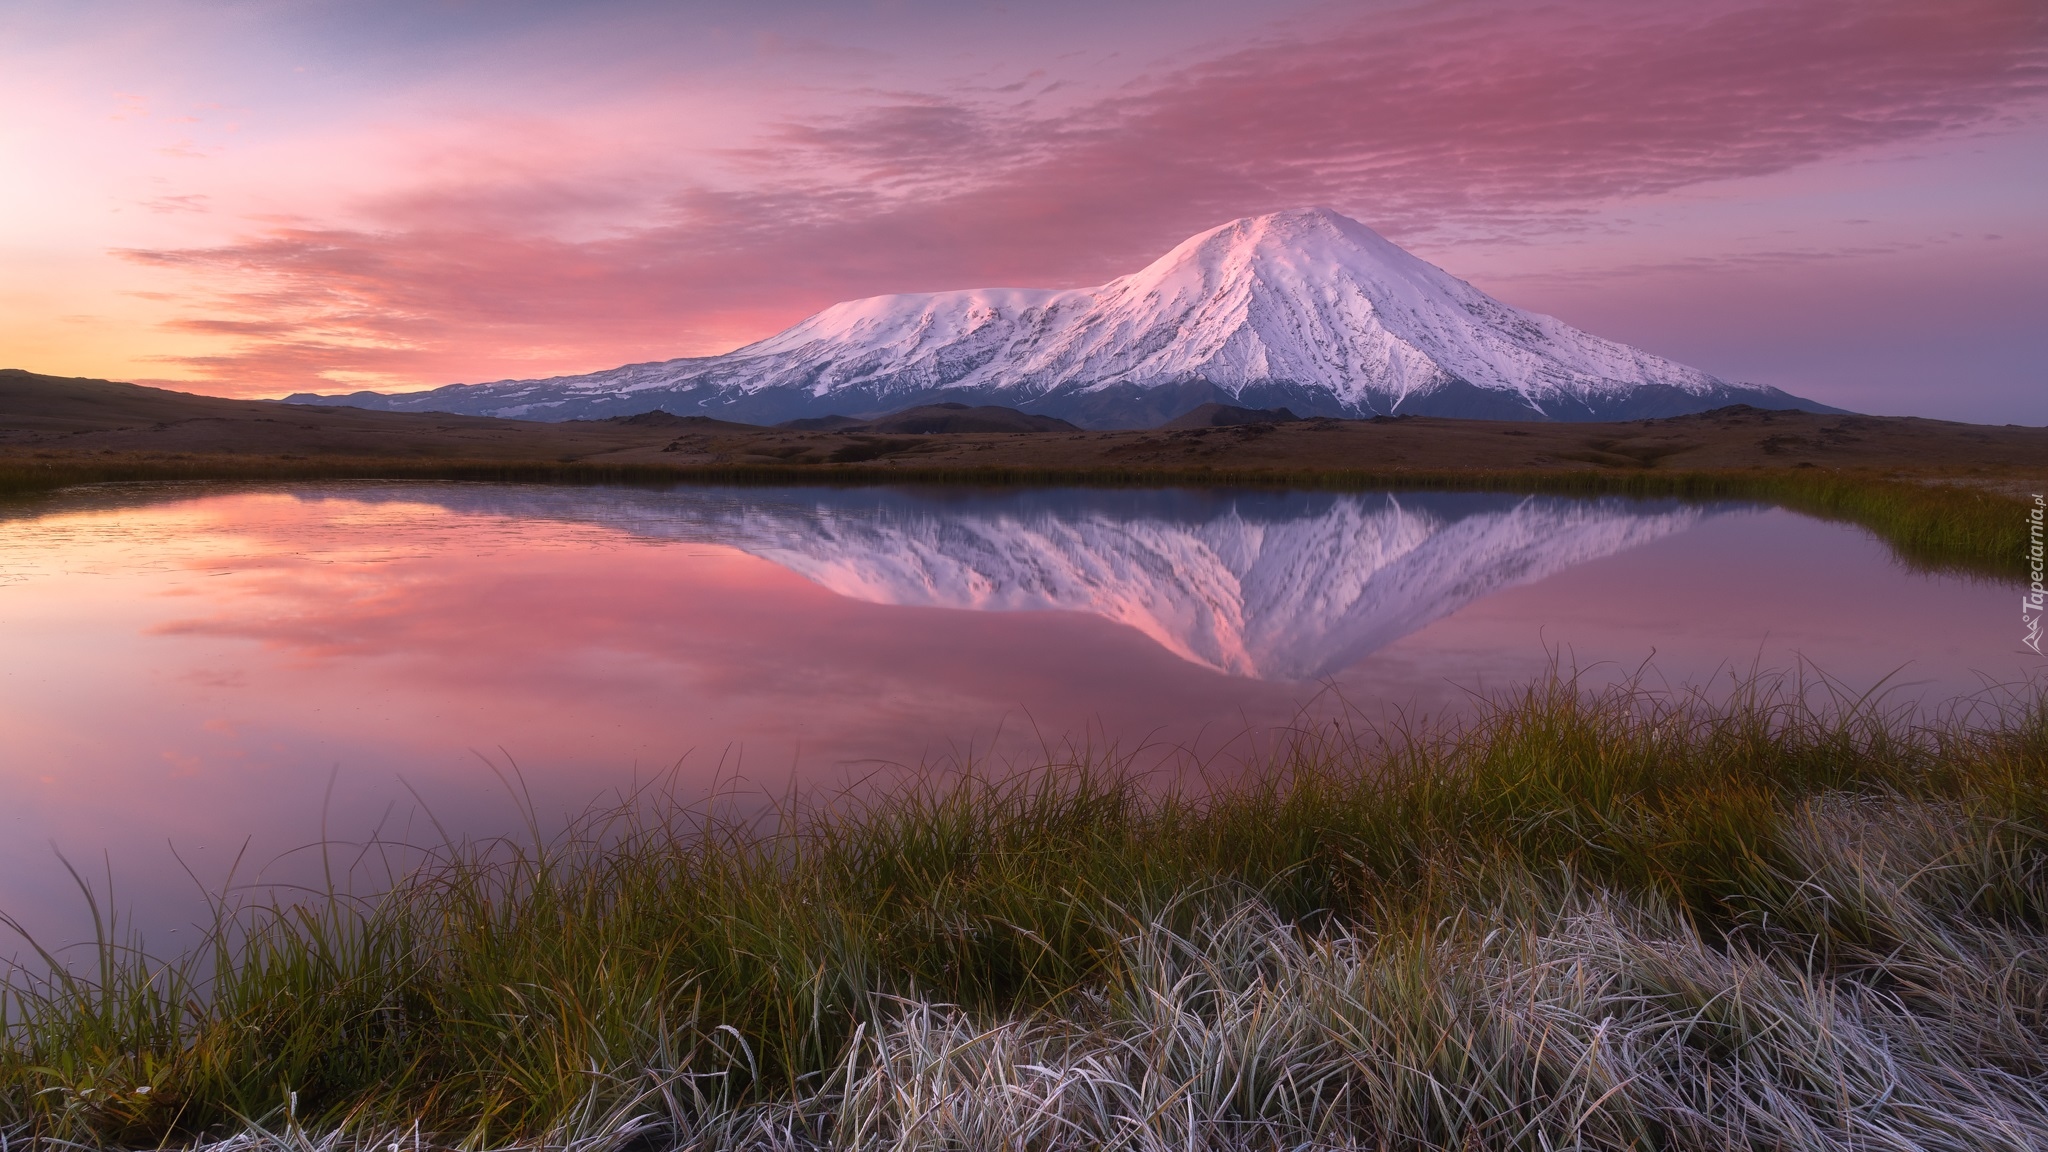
(1272, 586)
(241, 670)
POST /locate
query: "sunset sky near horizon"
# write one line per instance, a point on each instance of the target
(1840, 199)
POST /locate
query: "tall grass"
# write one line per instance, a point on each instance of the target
(1579, 919)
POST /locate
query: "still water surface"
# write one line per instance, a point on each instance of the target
(219, 669)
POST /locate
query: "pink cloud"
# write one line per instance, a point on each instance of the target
(1447, 120)
(732, 640)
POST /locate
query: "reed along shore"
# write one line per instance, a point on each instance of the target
(1759, 917)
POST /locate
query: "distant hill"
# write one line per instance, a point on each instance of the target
(932, 418)
(1308, 309)
(72, 415)
(1214, 415)
(52, 427)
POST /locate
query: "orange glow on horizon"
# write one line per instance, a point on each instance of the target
(226, 202)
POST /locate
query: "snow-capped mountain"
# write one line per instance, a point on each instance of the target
(1308, 309)
(1279, 586)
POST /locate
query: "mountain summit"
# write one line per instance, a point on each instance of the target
(1307, 308)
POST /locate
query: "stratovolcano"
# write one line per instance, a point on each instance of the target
(1307, 309)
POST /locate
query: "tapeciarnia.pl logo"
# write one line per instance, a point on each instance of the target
(2036, 599)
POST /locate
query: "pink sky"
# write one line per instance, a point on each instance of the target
(1839, 199)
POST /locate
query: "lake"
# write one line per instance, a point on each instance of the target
(189, 673)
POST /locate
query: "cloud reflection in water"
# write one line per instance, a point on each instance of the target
(1281, 586)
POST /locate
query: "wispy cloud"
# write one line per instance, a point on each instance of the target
(1443, 119)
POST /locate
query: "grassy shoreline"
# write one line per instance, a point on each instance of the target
(1930, 521)
(1618, 919)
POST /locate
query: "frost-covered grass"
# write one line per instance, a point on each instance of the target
(1616, 919)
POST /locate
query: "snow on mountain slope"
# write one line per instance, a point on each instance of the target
(1306, 307)
(1308, 297)
(1278, 587)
